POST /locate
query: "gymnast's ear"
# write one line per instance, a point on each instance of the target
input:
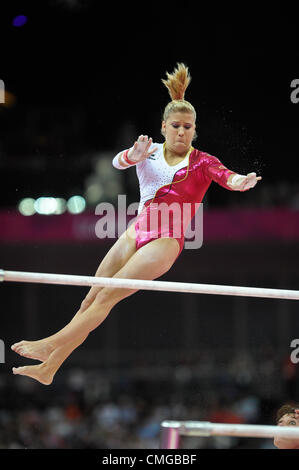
(163, 128)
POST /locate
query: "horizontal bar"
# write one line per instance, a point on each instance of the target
(205, 428)
(169, 438)
(136, 284)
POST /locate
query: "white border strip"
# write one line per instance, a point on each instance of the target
(136, 284)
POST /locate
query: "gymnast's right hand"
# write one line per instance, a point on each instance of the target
(140, 150)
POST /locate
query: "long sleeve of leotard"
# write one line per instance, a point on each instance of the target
(116, 164)
(215, 170)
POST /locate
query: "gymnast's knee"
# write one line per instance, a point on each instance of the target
(104, 297)
(108, 297)
(86, 303)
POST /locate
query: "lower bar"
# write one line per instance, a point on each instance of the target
(205, 428)
(169, 438)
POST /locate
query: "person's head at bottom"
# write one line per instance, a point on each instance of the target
(287, 415)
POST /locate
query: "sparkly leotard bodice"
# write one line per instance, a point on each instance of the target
(184, 183)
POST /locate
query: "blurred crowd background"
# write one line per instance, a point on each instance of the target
(81, 83)
(122, 408)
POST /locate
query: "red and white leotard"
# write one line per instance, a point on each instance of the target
(184, 183)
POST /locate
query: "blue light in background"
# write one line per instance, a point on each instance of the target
(19, 21)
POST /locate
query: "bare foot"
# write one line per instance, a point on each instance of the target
(38, 372)
(39, 350)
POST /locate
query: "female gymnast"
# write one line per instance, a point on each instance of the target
(169, 172)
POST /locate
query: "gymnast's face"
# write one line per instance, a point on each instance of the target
(179, 130)
(288, 419)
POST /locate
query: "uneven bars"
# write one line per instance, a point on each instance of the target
(172, 430)
(66, 279)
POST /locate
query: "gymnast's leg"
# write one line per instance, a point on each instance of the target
(114, 260)
(149, 262)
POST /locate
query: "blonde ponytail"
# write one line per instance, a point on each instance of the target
(177, 84)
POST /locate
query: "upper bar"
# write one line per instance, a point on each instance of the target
(136, 284)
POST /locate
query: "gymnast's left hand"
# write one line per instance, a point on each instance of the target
(244, 182)
(250, 181)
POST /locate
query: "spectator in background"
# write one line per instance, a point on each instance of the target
(287, 415)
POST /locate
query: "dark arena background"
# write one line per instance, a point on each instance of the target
(81, 81)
